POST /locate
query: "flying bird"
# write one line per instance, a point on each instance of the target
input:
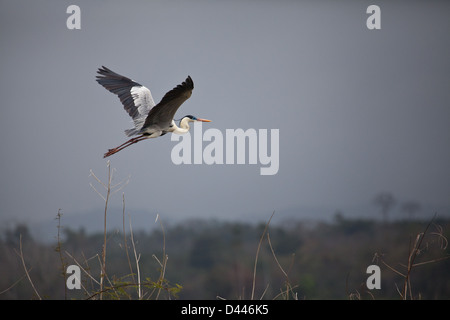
(150, 120)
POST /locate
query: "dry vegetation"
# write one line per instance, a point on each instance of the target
(218, 260)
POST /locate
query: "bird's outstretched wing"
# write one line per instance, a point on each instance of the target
(137, 100)
(162, 114)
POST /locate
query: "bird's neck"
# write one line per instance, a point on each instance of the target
(183, 128)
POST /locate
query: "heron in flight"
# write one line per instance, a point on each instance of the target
(150, 120)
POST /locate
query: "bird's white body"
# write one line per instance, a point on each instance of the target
(154, 132)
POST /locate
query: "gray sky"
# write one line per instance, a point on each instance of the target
(358, 111)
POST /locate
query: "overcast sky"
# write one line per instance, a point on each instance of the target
(358, 111)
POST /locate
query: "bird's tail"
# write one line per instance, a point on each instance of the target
(131, 132)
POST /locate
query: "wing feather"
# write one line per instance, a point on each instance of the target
(162, 114)
(137, 100)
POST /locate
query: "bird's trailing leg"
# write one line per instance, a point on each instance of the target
(124, 145)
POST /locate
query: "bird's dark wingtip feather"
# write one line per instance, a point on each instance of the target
(105, 71)
(189, 83)
(102, 73)
(105, 74)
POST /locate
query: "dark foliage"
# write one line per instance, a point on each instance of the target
(210, 259)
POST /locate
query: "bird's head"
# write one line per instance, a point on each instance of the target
(190, 118)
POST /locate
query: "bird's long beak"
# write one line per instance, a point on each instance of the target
(203, 120)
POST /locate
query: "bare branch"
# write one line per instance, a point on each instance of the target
(25, 268)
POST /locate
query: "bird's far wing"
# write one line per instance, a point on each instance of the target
(163, 113)
(137, 100)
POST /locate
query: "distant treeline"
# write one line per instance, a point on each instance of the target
(210, 260)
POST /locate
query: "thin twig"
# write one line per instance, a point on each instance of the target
(101, 196)
(164, 258)
(103, 264)
(125, 237)
(257, 254)
(115, 287)
(98, 180)
(430, 261)
(287, 293)
(288, 285)
(25, 268)
(275, 258)
(58, 249)
(412, 256)
(264, 292)
(14, 284)
(393, 269)
(137, 258)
